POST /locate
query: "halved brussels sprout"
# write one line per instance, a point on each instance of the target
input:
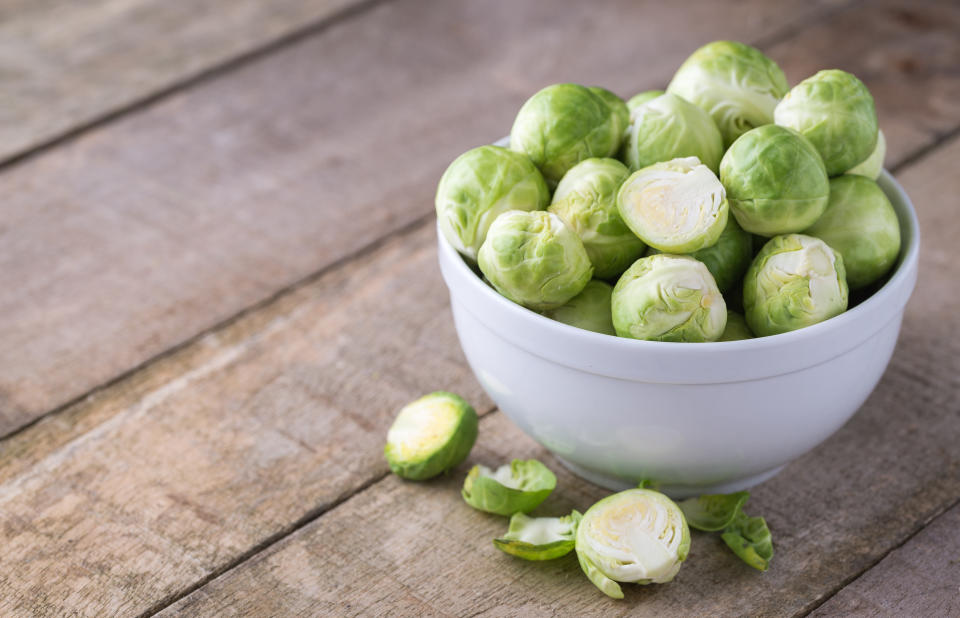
(481, 184)
(586, 200)
(736, 329)
(775, 181)
(636, 536)
(872, 165)
(539, 538)
(430, 436)
(713, 512)
(668, 298)
(835, 111)
(669, 127)
(728, 258)
(677, 206)
(735, 83)
(750, 540)
(639, 99)
(861, 224)
(535, 260)
(589, 310)
(517, 487)
(794, 281)
(564, 124)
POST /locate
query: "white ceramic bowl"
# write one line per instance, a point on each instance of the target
(695, 418)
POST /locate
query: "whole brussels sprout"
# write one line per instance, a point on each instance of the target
(639, 99)
(589, 310)
(735, 83)
(535, 260)
(478, 186)
(871, 166)
(775, 181)
(677, 206)
(834, 110)
(728, 258)
(668, 298)
(636, 536)
(564, 124)
(539, 538)
(517, 487)
(669, 127)
(794, 281)
(861, 224)
(586, 200)
(430, 436)
(736, 328)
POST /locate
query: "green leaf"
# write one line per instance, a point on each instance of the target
(749, 538)
(713, 512)
(605, 584)
(539, 538)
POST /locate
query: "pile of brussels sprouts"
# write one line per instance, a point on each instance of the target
(635, 536)
(658, 217)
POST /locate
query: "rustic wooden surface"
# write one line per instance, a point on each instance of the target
(213, 301)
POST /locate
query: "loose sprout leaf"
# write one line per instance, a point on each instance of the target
(713, 512)
(749, 538)
(517, 487)
(539, 538)
(605, 584)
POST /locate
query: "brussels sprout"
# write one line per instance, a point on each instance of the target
(735, 83)
(669, 127)
(736, 329)
(639, 99)
(535, 260)
(431, 435)
(637, 536)
(564, 124)
(728, 258)
(750, 540)
(668, 298)
(621, 113)
(775, 181)
(589, 310)
(586, 200)
(539, 538)
(713, 512)
(480, 185)
(871, 166)
(834, 110)
(861, 224)
(794, 281)
(517, 487)
(676, 206)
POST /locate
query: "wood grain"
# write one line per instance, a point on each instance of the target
(135, 237)
(834, 512)
(69, 64)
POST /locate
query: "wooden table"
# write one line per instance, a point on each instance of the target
(218, 285)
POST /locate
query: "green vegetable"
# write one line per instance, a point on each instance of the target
(713, 512)
(635, 536)
(589, 310)
(736, 329)
(430, 436)
(639, 99)
(794, 281)
(861, 224)
(749, 538)
(835, 111)
(586, 200)
(621, 113)
(669, 127)
(535, 260)
(736, 84)
(539, 538)
(728, 258)
(872, 165)
(517, 487)
(480, 185)
(775, 181)
(668, 298)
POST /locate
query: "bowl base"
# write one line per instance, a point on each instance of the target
(674, 491)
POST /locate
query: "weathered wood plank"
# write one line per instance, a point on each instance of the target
(131, 239)
(68, 64)
(834, 512)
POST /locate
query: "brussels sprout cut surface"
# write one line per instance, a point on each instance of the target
(668, 127)
(430, 436)
(539, 538)
(775, 181)
(835, 111)
(872, 165)
(860, 223)
(589, 310)
(517, 487)
(668, 298)
(794, 281)
(635, 536)
(535, 260)
(678, 206)
(480, 185)
(736, 329)
(586, 200)
(564, 124)
(735, 83)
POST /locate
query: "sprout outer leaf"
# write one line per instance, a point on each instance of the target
(750, 539)
(526, 535)
(605, 584)
(713, 512)
(517, 487)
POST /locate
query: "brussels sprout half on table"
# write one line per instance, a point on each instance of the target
(517, 487)
(539, 538)
(431, 436)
